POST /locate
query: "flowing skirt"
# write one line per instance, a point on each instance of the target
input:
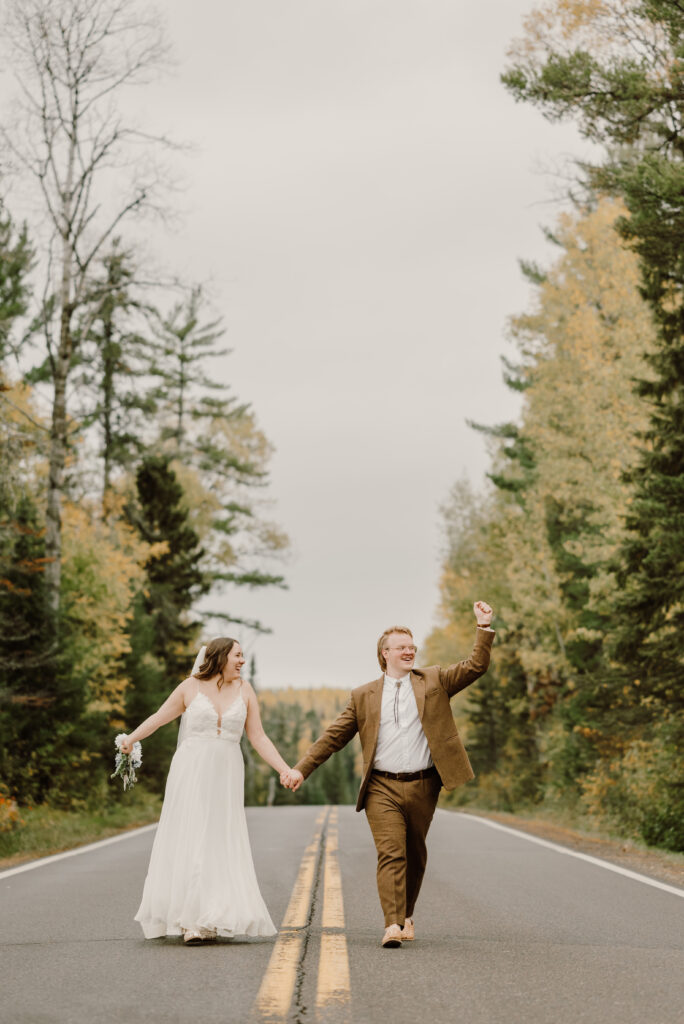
(201, 873)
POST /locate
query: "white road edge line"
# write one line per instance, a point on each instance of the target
(74, 853)
(573, 853)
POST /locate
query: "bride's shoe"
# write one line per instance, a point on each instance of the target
(192, 937)
(207, 934)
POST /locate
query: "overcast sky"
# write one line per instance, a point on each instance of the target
(361, 191)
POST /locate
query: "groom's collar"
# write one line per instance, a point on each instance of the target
(391, 681)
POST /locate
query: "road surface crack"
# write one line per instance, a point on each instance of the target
(299, 1009)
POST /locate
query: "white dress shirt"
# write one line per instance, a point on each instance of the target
(402, 747)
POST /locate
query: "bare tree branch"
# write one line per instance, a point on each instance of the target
(72, 59)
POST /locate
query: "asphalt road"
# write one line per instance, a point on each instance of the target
(508, 931)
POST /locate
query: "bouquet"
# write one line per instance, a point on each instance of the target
(125, 764)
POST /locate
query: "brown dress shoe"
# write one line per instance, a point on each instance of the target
(392, 937)
(408, 932)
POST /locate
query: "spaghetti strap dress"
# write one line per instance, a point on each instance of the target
(201, 873)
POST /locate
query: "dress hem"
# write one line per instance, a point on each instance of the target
(162, 929)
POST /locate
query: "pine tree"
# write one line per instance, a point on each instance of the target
(174, 579)
(617, 70)
(27, 656)
(220, 455)
(16, 260)
(29, 710)
(149, 686)
(164, 630)
(113, 375)
(187, 390)
(542, 543)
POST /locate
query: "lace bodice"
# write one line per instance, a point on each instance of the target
(200, 720)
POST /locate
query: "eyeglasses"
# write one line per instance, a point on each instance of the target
(411, 648)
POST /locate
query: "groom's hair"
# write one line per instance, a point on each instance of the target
(383, 640)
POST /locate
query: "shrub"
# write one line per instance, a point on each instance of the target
(10, 819)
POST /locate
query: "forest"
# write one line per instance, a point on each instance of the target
(134, 504)
(579, 538)
(134, 483)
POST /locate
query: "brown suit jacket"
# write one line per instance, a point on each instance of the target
(434, 687)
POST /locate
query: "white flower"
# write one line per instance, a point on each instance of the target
(126, 764)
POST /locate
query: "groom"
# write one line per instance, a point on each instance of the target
(410, 750)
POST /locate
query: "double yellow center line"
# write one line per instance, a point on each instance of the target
(333, 988)
(285, 972)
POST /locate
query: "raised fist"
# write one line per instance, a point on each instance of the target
(483, 613)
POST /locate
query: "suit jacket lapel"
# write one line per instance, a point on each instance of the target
(374, 708)
(418, 684)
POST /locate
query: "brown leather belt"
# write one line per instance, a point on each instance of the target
(427, 773)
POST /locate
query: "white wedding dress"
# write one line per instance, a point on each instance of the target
(201, 873)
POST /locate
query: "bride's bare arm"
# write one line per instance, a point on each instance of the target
(257, 737)
(173, 706)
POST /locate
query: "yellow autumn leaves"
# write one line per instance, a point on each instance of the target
(540, 544)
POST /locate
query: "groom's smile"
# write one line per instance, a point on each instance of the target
(400, 654)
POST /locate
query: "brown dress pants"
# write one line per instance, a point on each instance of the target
(399, 814)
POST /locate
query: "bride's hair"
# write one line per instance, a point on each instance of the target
(215, 657)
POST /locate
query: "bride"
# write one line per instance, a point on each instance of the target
(201, 881)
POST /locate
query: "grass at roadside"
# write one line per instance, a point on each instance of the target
(555, 815)
(47, 830)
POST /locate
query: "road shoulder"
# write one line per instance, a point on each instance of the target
(658, 864)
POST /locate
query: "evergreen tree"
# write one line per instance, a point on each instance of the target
(543, 541)
(30, 713)
(293, 727)
(115, 363)
(16, 260)
(617, 69)
(220, 454)
(601, 66)
(174, 580)
(188, 392)
(149, 686)
(27, 657)
(164, 631)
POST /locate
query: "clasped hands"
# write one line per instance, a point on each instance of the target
(291, 779)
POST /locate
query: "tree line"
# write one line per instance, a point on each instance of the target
(294, 719)
(579, 538)
(131, 476)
